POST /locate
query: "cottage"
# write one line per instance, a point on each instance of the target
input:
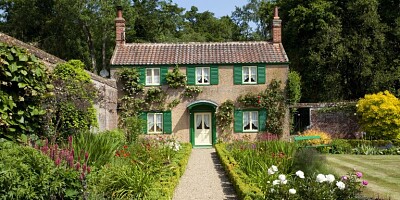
(223, 70)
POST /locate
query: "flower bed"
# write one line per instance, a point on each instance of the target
(266, 170)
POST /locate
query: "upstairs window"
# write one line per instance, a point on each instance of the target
(153, 76)
(202, 75)
(249, 74)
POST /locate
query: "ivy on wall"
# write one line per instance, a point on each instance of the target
(24, 84)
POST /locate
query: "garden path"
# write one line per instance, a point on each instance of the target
(204, 178)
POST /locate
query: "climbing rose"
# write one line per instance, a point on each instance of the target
(292, 191)
(359, 174)
(300, 174)
(330, 178)
(340, 185)
(321, 178)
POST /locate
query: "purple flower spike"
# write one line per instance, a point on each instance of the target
(359, 174)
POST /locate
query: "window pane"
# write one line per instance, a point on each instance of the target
(254, 120)
(198, 75)
(206, 72)
(148, 76)
(150, 123)
(156, 78)
(253, 74)
(246, 122)
(159, 123)
(245, 74)
(206, 122)
(198, 122)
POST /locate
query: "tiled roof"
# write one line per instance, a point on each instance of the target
(198, 53)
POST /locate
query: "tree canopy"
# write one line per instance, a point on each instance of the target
(342, 49)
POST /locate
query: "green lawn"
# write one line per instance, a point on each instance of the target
(382, 172)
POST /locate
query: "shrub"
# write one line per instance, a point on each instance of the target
(100, 147)
(176, 78)
(379, 115)
(71, 110)
(340, 146)
(294, 87)
(325, 137)
(309, 160)
(23, 87)
(25, 173)
(133, 127)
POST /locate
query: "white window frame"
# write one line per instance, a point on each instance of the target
(155, 121)
(250, 113)
(251, 69)
(203, 76)
(153, 78)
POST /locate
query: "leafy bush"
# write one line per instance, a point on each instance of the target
(309, 160)
(379, 115)
(176, 78)
(325, 137)
(24, 85)
(133, 127)
(25, 173)
(294, 87)
(71, 110)
(340, 146)
(100, 147)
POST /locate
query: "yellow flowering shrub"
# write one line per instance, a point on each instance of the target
(325, 137)
(380, 115)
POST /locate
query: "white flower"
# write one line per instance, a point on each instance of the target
(340, 185)
(321, 178)
(268, 181)
(272, 190)
(300, 174)
(282, 177)
(292, 191)
(330, 178)
(275, 182)
(271, 171)
(284, 182)
(274, 168)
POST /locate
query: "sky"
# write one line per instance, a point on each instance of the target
(218, 7)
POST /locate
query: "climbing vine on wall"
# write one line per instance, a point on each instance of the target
(176, 79)
(224, 116)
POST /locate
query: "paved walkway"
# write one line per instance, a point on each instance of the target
(204, 178)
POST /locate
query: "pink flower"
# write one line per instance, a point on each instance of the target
(359, 174)
(77, 166)
(57, 162)
(365, 183)
(344, 178)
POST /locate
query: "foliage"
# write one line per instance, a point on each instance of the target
(192, 91)
(24, 85)
(340, 146)
(273, 100)
(155, 95)
(71, 110)
(148, 168)
(293, 87)
(278, 183)
(173, 104)
(325, 137)
(249, 100)
(224, 116)
(379, 114)
(176, 78)
(133, 127)
(130, 80)
(100, 147)
(310, 161)
(28, 174)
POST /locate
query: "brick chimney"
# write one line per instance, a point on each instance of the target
(276, 28)
(119, 27)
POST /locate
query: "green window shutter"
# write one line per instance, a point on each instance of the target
(167, 122)
(143, 117)
(191, 75)
(214, 76)
(261, 74)
(163, 75)
(142, 75)
(238, 118)
(262, 119)
(237, 74)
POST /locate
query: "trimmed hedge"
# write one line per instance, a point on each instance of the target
(375, 143)
(169, 179)
(243, 187)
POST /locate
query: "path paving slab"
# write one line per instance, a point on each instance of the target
(204, 178)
